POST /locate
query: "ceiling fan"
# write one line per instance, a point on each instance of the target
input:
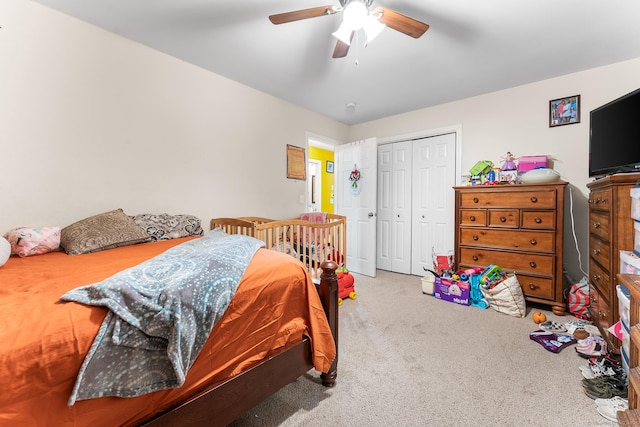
(357, 14)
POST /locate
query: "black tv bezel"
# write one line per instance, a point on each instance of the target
(622, 168)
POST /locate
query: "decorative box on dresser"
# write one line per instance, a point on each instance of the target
(518, 227)
(610, 231)
(631, 417)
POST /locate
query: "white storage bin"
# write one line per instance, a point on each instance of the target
(629, 263)
(635, 203)
(624, 304)
(636, 238)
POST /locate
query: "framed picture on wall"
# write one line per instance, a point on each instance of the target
(564, 111)
(296, 163)
(329, 166)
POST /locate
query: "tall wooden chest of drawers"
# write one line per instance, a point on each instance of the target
(518, 227)
(610, 231)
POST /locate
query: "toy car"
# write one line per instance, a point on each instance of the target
(346, 288)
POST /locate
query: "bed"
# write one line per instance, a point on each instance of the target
(278, 326)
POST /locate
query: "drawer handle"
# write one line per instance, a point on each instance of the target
(534, 199)
(532, 286)
(503, 219)
(538, 220)
(475, 237)
(533, 242)
(472, 218)
(475, 200)
(602, 314)
(594, 299)
(532, 264)
(596, 251)
(596, 225)
(475, 257)
(596, 277)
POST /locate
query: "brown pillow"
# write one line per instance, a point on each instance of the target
(99, 232)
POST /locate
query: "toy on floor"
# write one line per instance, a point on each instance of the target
(346, 288)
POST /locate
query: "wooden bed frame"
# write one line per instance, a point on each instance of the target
(225, 401)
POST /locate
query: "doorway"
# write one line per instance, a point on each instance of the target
(314, 186)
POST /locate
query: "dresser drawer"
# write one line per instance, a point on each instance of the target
(601, 199)
(541, 220)
(536, 286)
(509, 261)
(599, 225)
(509, 218)
(536, 199)
(539, 241)
(473, 217)
(600, 309)
(599, 277)
(599, 251)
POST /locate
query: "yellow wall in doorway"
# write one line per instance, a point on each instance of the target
(324, 156)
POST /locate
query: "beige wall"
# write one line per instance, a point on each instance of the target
(517, 120)
(90, 122)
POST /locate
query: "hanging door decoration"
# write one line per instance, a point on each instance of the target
(354, 177)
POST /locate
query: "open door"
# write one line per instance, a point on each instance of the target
(356, 191)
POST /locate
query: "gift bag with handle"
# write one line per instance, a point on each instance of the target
(506, 296)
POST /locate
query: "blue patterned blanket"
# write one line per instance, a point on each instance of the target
(160, 314)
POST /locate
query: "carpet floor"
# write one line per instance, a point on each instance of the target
(409, 359)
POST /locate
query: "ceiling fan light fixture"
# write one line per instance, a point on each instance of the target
(355, 15)
(343, 33)
(372, 28)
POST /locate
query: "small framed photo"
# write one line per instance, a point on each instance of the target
(329, 166)
(564, 111)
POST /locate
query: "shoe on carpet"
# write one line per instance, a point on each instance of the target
(605, 387)
(592, 350)
(551, 326)
(609, 408)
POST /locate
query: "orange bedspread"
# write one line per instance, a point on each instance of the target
(44, 341)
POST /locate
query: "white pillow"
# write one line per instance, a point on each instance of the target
(5, 250)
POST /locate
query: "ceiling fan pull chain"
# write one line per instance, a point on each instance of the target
(357, 47)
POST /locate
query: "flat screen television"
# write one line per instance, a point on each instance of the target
(614, 136)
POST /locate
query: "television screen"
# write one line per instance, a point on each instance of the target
(614, 136)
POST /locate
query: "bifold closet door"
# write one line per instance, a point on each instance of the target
(394, 207)
(433, 179)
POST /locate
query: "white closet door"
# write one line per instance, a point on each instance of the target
(385, 208)
(394, 207)
(432, 198)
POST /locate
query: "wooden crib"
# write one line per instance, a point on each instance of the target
(311, 242)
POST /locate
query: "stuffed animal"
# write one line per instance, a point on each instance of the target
(346, 286)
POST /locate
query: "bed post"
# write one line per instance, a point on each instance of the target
(328, 291)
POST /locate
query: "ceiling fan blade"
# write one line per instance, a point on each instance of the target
(297, 15)
(402, 23)
(342, 48)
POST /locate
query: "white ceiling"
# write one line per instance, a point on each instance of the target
(472, 46)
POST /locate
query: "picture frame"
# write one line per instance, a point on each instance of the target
(564, 111)
(296, 163)
(329, 166)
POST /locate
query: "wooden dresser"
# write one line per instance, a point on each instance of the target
(631, 417)
(610, 231)
(518, 227)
